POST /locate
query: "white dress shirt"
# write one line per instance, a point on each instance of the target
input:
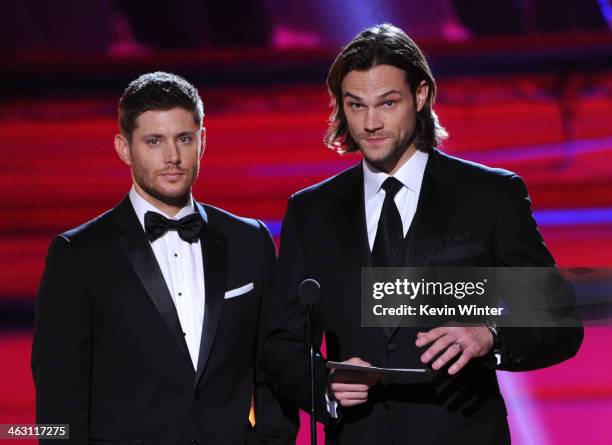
(410, 175)
(183, 270)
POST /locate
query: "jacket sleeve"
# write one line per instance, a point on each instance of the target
(519, 243)
(61, 351)
(277, 420)
(286, 341)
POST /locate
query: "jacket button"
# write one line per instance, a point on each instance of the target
(391, 347)
(196, 395)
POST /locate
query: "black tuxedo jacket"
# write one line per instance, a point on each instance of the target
(467, 215)
(109, 357)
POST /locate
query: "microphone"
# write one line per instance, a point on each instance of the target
(310, 293)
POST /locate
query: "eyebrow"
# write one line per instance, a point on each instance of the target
(388, 93)
(186, 133)
(160, 136)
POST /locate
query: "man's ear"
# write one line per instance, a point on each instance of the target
(122, 147)
(422, 92)
(203, 141)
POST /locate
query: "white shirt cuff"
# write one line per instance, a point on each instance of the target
(332, 406)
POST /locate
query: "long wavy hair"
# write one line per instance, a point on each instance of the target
(382, 45)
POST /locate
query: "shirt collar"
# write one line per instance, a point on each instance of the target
(142, 206)
(410, 175)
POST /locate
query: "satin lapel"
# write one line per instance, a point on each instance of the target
(348, 215)
(214, 255)
(137, 250)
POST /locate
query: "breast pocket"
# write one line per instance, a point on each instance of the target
(461, 253)
(241, 297)
(239, 291)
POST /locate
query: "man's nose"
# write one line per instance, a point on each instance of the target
(372, 120)
(173, 154)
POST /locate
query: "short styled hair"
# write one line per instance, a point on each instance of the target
(157, 91)
(382, 45)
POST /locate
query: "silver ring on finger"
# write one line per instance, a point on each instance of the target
(458, 344)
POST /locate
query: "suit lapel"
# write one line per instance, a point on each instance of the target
(137, 249)
(434, 210)
(214, 255)
(348, 215)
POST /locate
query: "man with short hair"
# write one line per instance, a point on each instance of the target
(149, 318)
(405, 204)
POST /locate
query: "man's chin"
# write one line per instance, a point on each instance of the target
(377, 161)
(178, 198)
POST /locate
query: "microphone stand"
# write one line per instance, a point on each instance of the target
(310, 293)
(311, 359)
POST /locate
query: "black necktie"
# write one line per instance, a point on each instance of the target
(188, 227)
(389, 234)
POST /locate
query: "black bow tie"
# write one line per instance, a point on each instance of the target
(188, 227)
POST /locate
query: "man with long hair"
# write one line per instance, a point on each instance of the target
(406, 204)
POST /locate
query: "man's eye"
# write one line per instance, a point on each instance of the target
(389, 103)
(355, 105)
(153, 141)
(185, 139)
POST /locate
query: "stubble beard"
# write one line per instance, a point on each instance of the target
(176, 201)
(170, 200)
(390, 160)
